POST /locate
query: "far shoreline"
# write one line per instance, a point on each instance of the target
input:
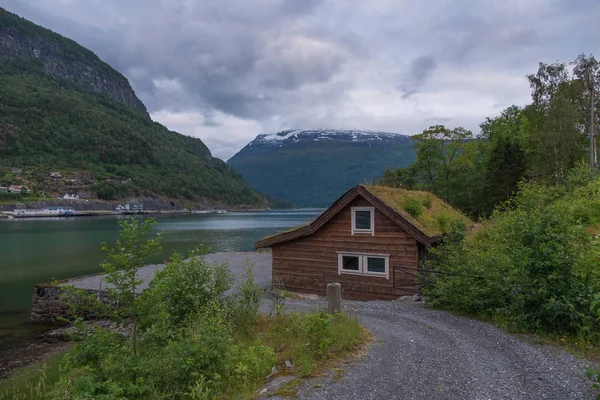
(100, 213)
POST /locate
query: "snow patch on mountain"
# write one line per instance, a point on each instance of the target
(297, 135)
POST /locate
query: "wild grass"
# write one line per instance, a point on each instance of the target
(31, 382)
(427, 212)
(311, 340)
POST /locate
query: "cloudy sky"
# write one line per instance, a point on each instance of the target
(225, 71)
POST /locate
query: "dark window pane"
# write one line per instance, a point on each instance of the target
(362, 220)
(350, 263)
(376, 264)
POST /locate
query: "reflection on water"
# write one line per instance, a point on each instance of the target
(43, 249)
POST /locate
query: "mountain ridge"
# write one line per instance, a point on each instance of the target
(313, 167)
(295, 135)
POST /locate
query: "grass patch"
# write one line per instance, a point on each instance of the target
(311, 341)
(427, 212)
(579, 347)
(33, 381)
(289, 390)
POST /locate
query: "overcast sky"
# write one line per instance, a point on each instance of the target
(225, 71)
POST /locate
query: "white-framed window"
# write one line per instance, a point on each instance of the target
(363, 220)
(364, 264)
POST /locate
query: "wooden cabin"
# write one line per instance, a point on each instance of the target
(367, 240)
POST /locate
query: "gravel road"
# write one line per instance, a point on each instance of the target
(261, 263)
(425, 354)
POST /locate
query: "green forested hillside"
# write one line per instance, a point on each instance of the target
(50, 125)
(52, 122)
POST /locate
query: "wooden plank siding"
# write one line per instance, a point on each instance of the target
(307, 264)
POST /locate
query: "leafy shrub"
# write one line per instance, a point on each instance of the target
(428, 202)
(182, 288)
(533, 267)
(318, 328)
(413, 206)
(444, 221)
(246, 302)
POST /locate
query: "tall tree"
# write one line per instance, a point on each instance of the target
(587, 71)
(506, 155)
(557, 141)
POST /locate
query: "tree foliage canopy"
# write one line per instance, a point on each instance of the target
(542, 141)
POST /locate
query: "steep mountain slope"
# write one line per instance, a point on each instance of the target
(63, 58)
(63, 108)
(311, 168)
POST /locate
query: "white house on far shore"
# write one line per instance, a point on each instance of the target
(18, 189)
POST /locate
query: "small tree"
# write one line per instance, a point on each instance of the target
(123, 261)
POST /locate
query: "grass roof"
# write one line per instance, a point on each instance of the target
(430, 214)
(426, 212)
(293, 229)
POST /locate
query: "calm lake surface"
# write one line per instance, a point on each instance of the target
(41, 250)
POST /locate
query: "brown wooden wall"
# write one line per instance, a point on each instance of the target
(309, 263)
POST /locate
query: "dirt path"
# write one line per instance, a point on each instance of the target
(425, 354)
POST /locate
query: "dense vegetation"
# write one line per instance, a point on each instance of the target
(187, 335)
(534, 265)
(316, 173)
(539, 142)
(51, 123)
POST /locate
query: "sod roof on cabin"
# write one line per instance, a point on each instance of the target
(436, 217)
(422, 214)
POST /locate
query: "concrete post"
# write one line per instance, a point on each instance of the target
(334, 298)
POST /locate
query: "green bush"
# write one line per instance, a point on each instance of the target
(183, 287)
(246, 302)
(533, 267)
(413, 206)
(428, 202)
(443, 220)
(318, 329)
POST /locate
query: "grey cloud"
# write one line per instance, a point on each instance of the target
(420, 69)
(438, 120)
(288, 63)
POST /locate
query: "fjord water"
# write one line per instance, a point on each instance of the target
(41, 250)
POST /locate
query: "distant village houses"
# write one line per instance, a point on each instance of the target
(130, 207)
(18, 189)
(16, 170)
(68, 196)
(3, 189)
